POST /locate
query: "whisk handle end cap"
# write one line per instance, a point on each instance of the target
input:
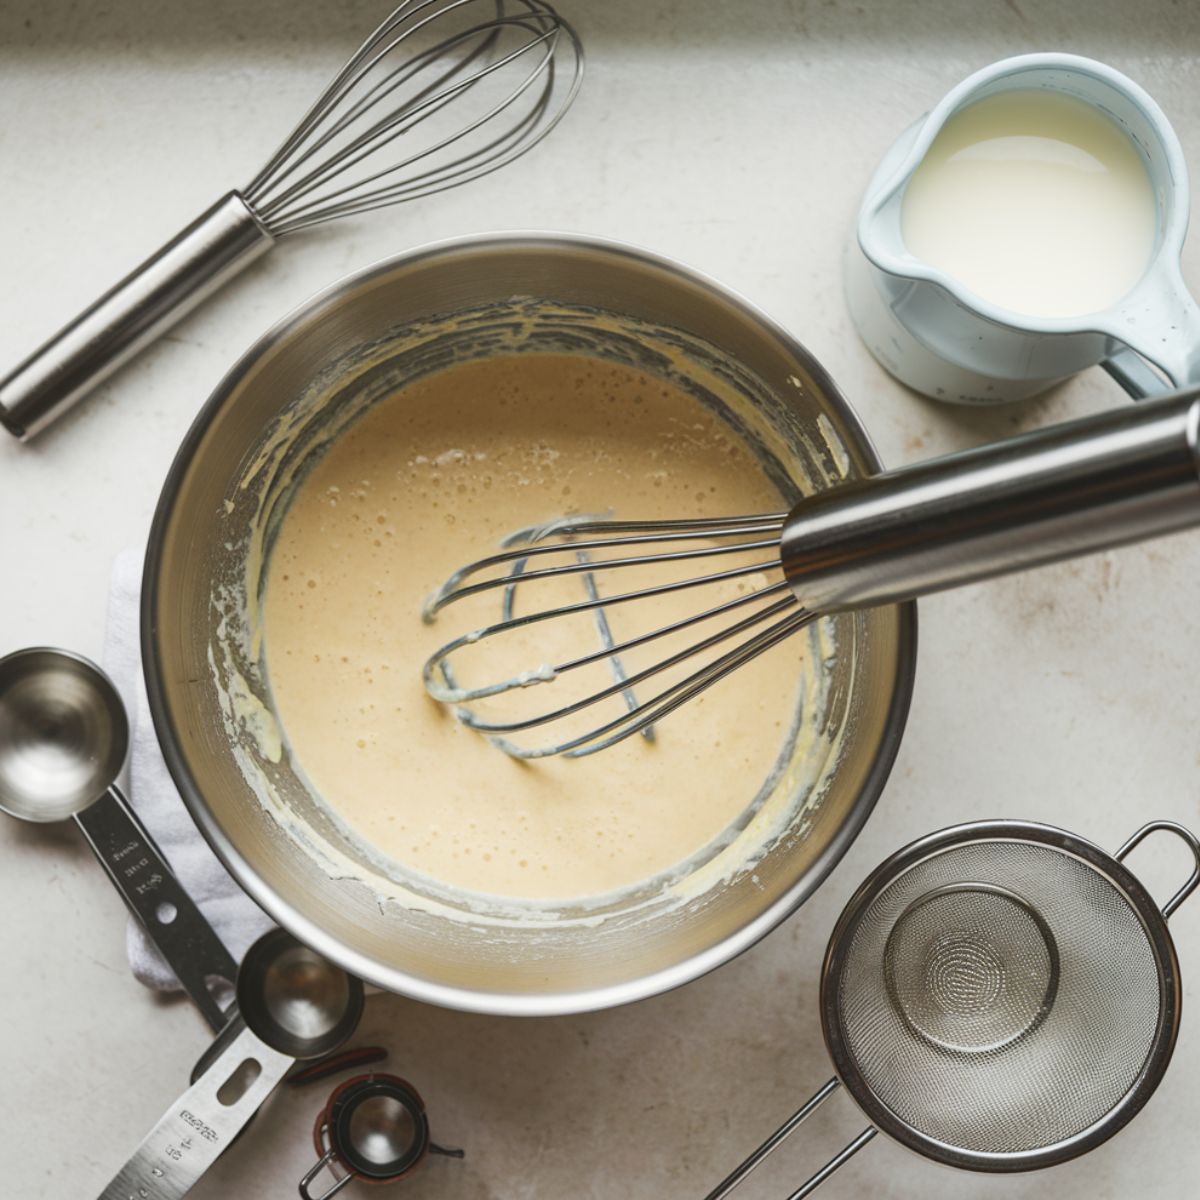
(188, 269)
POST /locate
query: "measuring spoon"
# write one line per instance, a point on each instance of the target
(63, 739)
(375, 1128)
(294, 1004)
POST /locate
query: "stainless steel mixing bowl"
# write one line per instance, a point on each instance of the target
(355, 342)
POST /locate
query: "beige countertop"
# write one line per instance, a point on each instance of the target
(737, 138)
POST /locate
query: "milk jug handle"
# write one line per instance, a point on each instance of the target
(1160, 324)
(1139, 379)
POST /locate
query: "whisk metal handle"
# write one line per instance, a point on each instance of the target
(1034, 499)
(188, 269)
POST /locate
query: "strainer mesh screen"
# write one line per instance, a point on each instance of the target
(999, 997)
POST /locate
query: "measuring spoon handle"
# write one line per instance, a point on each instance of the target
(157, 899)
(194, 1132)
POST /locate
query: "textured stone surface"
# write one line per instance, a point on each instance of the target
(738, 138)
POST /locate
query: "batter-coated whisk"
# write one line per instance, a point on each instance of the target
(444, 91)
(1083, 486)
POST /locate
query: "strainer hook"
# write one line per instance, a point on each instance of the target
(1193, 844)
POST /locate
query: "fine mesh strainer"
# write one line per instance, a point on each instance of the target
(999, 996)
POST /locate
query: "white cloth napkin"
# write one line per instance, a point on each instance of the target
(236, 919)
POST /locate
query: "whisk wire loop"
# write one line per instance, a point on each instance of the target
(627, 682)
(580, 538)
(438, 663)
(664, 631)
(472, 589)
(396, 125)
(644, 533)
(358, 65)
(336, 161)
(651, 711)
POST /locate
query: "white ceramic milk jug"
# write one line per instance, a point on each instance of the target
(936, 335)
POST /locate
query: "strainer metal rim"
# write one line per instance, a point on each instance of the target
(1152, 920)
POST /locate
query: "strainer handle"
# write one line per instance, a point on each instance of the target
(843, 1156)
(1193, 844)
(781, 1134)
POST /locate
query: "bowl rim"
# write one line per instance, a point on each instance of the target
(476, 1000)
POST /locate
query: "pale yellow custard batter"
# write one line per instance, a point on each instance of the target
(433, 477)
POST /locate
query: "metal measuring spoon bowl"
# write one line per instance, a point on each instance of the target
(374, 1127)
(296, 1001)
(292, 1004)
(64, 736)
